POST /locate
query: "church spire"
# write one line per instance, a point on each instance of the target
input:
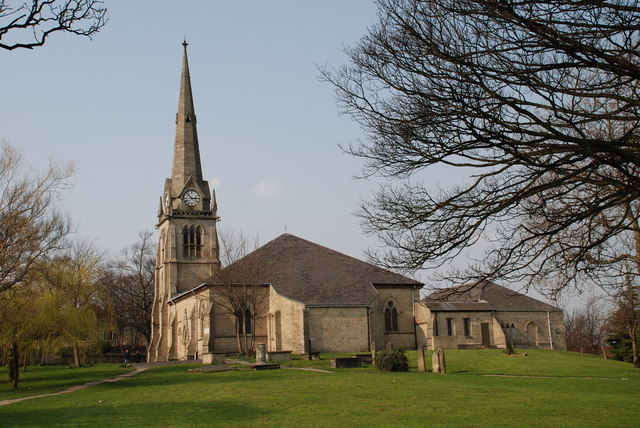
(186, 153)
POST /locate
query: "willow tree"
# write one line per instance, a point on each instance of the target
(536, 102)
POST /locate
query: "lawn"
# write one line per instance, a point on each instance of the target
(42, 380)
(572, 391)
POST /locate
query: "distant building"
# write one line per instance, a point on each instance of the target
(487, 315)
(306, 297)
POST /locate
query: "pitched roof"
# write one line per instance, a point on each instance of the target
(483, 296)
(319, 276)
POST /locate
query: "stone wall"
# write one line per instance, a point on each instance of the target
(223, 336)
(338, 329)
(286, 324)
(403, 299)
(532, 329)
(527, 329)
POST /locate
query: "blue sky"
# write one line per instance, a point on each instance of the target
(268, 128)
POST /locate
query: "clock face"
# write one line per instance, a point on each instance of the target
(191, 198)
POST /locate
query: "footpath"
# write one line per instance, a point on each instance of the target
(139, 368)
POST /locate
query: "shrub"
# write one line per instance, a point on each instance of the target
(392, 361)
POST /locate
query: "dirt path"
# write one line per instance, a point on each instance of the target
(139, 368)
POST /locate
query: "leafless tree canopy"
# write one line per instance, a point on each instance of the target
(535, 101)
(240, 294)
(30, 225)
(129, 284)
(585, 327)
(29, 24)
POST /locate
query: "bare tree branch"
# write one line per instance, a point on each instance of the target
(30, 225)
(28, 25)
(536, 102)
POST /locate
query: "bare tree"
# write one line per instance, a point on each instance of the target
(29, 24)
(30, 225)
(240, 294)
(626, 316)
(128, 282)
(585, 327)
(517, 96)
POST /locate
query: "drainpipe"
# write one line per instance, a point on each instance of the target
(413, 309)
(549, 325)
(368, 328)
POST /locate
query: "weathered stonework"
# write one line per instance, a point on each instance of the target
(308, 298)
(525, 322)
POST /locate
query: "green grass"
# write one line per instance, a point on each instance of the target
(41, 380)
(169, 395)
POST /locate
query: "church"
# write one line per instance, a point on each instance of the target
(292, 294)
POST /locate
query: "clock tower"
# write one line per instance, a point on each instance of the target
(187, 253)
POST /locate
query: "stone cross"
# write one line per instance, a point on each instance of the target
(438, 363)
(261, 354)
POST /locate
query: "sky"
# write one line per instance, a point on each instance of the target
(269, 129)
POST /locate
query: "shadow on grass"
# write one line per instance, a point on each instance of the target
(104, 414)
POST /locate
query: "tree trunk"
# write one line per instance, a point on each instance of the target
(633, 332)
(238, 341)
(14, 365)
(76, 355)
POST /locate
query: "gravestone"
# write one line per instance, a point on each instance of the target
(346, 363)
(261, 354)
(214, 359)
(373, 353)
(421, 364)
(310, 356)
(438, 364)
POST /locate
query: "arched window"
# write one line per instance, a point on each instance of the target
(247, 321)
(192, 242)
(390, 317)
(244, 321)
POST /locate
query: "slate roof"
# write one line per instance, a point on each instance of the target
(483, 296)
(318, 276)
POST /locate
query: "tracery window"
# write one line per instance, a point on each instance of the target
(390, 317)
(192, 242)
(244, 321)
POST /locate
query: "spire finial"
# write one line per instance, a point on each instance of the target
(184, 43)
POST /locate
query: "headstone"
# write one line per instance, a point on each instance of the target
(310, 356)
(438, 363)
(214, 359)
(421, 364)
(389, 347)
(346, 363)
(366, 358)
(373, 353)
(261, 354)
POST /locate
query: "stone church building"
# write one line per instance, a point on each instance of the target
(295, 295)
